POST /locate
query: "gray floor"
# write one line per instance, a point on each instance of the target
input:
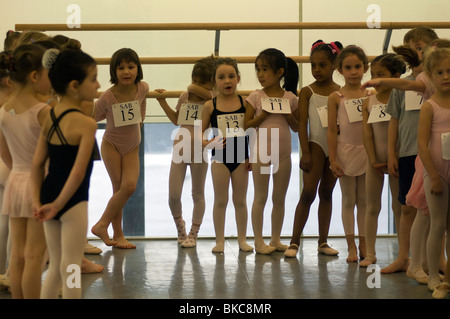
(161, 269)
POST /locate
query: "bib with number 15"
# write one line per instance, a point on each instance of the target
(127, 113)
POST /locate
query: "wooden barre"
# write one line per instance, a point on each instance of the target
(192, 60)
(224, 26)
(176, 94)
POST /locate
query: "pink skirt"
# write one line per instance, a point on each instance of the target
(416, 195)
(17, 195)
(352, 158)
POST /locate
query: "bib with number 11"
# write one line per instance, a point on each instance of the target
(127, 113)
(354, 109)
(276, 105)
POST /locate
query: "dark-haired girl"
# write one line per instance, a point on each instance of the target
(124, 107)
(314, 161)
(272, 151)
(67, 140)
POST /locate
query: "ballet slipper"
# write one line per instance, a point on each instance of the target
(190, 241)
(292, 251)
(433, 283)
(324, 249)
(441, 291)
(91, 249)
(417, 274)
(245, 247)
(265, 249)
(279, 246)
(219, 248)
(181, 229)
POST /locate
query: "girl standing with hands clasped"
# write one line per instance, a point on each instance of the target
(375, 137)
(124, 107)
(21, 118)
(271, 67)
(225, 113)
(346, 150)
(67, 139)
(188, 109)
(314, 161)
(433, 147)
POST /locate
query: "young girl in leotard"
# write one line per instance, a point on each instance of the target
(314, 161)
(189, 109)
(271, 67)
(124, 107)
(346, 150)
(375, 137)
(225, 113)
(434, 126)
(67, 139)
(21, 118)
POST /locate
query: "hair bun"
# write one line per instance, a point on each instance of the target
(49, 58)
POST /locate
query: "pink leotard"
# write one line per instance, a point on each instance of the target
(380, 134)
(351, 154)
(274, 121)
(123, 138)
(440, 124)
(21, 132)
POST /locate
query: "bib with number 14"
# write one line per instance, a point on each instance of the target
(189, 113)
(127, 113)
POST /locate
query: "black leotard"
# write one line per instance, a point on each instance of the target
(62, 158)
(238, 145)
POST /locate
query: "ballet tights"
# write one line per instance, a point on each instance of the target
(239, 181)
(66, 240)
(280, 185)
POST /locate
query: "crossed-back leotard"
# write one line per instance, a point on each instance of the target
(235, 151)
(62, 158)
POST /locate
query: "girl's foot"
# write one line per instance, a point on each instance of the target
(279, 246)
(88, 267)
(417, 273)
(324, 249)
(123, 243)
(441, 291)
(91, 249)
(181, 229)
(265, 249)
(245, 247)
(291, 252)
(369, 260)
(362, 247)
(219, 248)
(102, 233)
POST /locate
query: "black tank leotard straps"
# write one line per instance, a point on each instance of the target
(62, 158)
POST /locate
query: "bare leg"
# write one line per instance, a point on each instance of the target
(221, 182)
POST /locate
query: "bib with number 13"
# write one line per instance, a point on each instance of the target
(276, 105)
(231, 125)
(189, 113)
(354, 109)
(127, 113)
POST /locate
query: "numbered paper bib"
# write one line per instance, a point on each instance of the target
(127, 113)
(354, 109)
(189, 112)
(276, 105)
(231, 125)
(378, 114)
(413, 101)
(445, 143)
(323, 115)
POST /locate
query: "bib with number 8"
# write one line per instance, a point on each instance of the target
(127, 113)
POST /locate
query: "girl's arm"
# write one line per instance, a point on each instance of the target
(423, 138)
(292, 120)
(396, 83)
(392, 147)
(4, 151)
(199, 91)
(38, 171)
(250, 119)
(303, 103)
(171, 113)
(206, 121)
(77, 173)
(368, 140)
(332, 105)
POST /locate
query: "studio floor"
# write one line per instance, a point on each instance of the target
(161, 269)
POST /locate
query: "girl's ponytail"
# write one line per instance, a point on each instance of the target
(291, 76)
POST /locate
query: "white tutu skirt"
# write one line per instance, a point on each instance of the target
(17, 195)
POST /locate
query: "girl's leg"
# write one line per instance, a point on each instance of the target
(280, 186)
(221, 181)
(438, 206)
(4, 235)
(34, 252)
(73, 238)
(113, 165)
(52, 283)
(198, 177)
(129, 179)
(348, 189)
(310, 182)
(361, 212)
(418, 237)
(325, 191)
(374, 188)
(18, 229)
(177, 175)
(261, 186)
(239, 182)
